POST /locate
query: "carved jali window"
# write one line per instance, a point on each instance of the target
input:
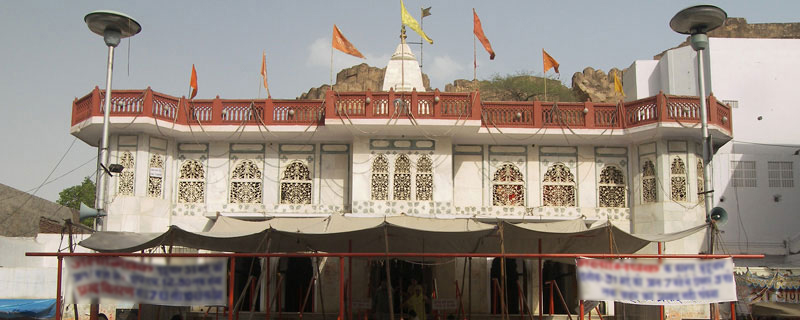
(508, 186)
(648, 182)
(156, 176)
(612, 188)
(558, 187)
(677, 173)
(402, 178)
(296, 184)
(125, 178)
(245, 182)
(380, 178)
(700, 181)
(424, 178)
(192, 182)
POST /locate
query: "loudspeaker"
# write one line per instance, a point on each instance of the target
(719, 216)
(87, 212)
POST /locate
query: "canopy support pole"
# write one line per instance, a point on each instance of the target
(350, 281)
(469, 293)
(660, 308)
(388, 272)
(58, 290)
(341, 289)
(230, 287)
(503, 296)
(541, 278)
(267, 304)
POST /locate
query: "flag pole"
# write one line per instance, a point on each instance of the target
(474, 59)
(402, 55)
(421, 26)
(331, 82)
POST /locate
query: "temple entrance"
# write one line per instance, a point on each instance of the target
(298, 290)
(516, 279)
(407, 276)
(564, 276)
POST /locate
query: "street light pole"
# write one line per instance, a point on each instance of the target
(697, 21)
(113, 26)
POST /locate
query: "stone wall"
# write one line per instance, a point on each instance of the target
(362, 77)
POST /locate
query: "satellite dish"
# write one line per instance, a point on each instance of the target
(719, 216)
(87, 212)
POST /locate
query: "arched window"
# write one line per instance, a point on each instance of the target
(648, 182)
(424, 178)
(380, 178)
(700, 181)
(402, 178)
(508, 186)
(612, 188)
(296, 184)
(558, 187)
(156, 176)
(245, 182)
(191, 182)
(125, 178)
(677, 173)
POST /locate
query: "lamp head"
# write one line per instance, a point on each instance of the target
(112, 25)
(698, 19)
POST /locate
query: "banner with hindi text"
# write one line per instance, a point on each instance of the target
(650, 282)
(127, 280)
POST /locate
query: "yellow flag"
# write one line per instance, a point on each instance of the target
(408, 20)
(618, 84)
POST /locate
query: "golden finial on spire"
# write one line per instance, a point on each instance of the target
(403, 33)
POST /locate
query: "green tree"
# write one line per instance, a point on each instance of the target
(72, 197)
(524, 86)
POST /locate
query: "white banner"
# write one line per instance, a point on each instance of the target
(128, 280)
(657, 283)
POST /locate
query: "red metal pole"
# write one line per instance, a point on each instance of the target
(541, 285)
(349, 281)
(660, 308)
(581, 310)
(58, 291)
(399, 255)
(230, 288)
(341, 288)
(733, 310)
(266, 288)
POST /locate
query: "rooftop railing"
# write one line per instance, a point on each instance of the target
(402, 105)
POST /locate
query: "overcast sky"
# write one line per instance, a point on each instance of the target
(48, 57)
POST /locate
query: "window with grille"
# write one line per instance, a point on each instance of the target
(191, 182)
(126, 177)
(781, 174)
(612, 188)
(677, 173)
(743, 174)
(508, 186)
(402, 178)
(246, 182)
(380, 178)
(558, 188)
(424, 178)
(296, 184)
(649, 182)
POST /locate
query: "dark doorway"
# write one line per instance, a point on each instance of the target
(297, 273)
(404, 274)
(246, 268)
(564, 276)
(515, 277)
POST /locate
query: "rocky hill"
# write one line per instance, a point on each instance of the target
(589, 85)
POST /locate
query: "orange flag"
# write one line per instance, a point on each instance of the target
(549, 62)
(193, 83)
(478, 30)
(264, 71)
(340, 43)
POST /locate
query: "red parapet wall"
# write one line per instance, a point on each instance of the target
(396, 105)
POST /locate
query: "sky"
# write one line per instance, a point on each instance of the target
(49, 56)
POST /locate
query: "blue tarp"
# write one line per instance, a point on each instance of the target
(27, 308)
